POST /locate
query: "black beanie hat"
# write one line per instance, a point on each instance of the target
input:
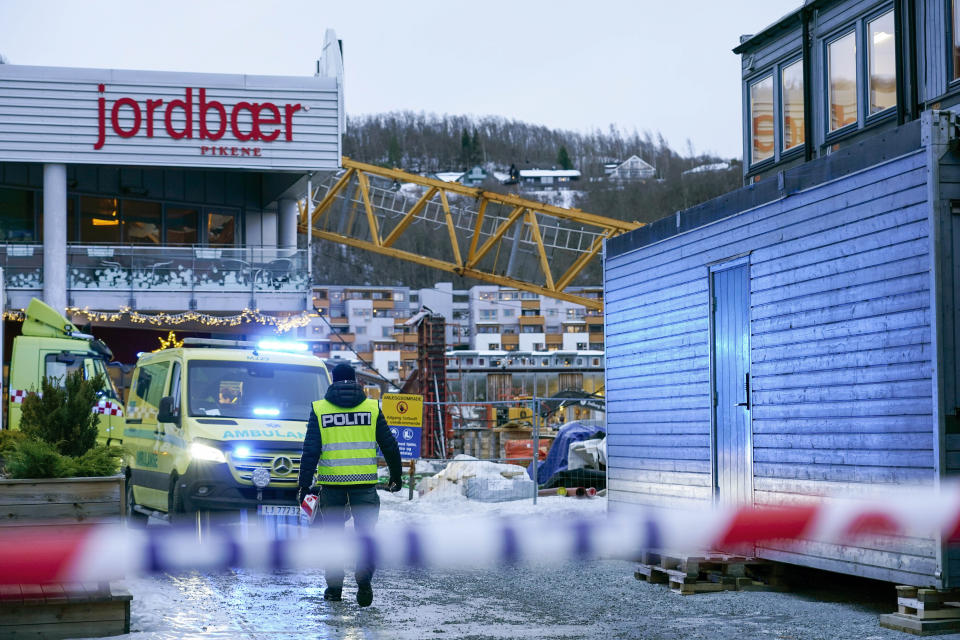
(344, 372)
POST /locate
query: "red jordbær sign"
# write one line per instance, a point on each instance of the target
(213, 119)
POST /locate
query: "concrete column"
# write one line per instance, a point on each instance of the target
(288, 212)
(55, 236)
(268, 229)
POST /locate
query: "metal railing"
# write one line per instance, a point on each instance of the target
(177, 268)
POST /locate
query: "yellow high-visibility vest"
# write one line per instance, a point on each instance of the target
(349, 443)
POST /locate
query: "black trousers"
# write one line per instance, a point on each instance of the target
(364, 504)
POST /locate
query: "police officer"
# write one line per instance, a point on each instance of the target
(343, 432)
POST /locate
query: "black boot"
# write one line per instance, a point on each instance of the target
(364, 595)
(333, 594)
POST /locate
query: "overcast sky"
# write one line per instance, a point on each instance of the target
(582, 64)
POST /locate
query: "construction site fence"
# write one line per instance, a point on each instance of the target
(502, 437)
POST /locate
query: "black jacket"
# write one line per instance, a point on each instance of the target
(347, 395)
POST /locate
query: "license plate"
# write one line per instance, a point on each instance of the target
(277, 510)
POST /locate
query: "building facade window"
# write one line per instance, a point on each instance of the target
(182, 225)
(881, 61)
(16, 216)
(791, 92)
(222, 229)
(761, 120)
(842, 81)
(955, 45)
(99, 220)
(488, 314)
(142, 222)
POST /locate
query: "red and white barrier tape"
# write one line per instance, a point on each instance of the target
(47, 554)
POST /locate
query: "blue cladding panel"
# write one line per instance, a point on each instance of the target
(840, 351)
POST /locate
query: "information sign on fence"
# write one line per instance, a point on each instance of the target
(409, 440)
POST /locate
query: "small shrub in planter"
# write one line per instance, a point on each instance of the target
(62, 413)
(59, 433)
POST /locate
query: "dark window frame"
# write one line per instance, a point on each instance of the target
(865, 120)
(767, 72)
(779, 153)
(825, 42)
(885, 114)
(796, 150)
(953, 74)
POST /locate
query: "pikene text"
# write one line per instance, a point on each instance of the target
(214, 120)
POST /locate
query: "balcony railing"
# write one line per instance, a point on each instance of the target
(165, 269)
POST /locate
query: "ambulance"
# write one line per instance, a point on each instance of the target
(218, 425)
(51, 346)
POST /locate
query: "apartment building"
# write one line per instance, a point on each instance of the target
(367, 324)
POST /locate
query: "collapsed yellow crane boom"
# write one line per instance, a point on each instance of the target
(488, 236)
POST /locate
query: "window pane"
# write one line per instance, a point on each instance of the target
(99, 220)
(956, 40)
(883, 65)
(141, 222)
(842, 65)
(182, 225)
(222, 228)
(761, 120)
(791, 83)
(16, 216)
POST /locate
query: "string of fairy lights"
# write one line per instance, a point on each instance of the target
(281, 324)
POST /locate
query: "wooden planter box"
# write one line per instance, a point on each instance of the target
(87, 500)
(63, 610)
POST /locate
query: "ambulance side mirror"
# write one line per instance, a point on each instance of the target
(165, 412)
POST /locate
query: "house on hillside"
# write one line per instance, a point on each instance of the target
(631, 169)
(548, 178)
(446, 176)
(799, 337)
(477, 175)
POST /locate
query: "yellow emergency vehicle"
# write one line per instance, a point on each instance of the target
(204, 419)
(51, 346)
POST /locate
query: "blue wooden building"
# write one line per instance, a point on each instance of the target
(798, 337)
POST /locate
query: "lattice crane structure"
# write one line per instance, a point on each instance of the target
(502, 239)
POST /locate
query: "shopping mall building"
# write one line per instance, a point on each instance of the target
(128, 197)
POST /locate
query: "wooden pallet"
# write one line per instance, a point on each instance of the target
(688, 575)
(924, 612)
(66, 610)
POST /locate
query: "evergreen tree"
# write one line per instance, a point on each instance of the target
(394, 155)
(476, 151)
(563, 158)
(465, 153)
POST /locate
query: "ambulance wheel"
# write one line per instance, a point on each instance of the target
(177, 512)
(134, 517)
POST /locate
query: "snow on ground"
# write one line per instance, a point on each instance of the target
(445, 504)
(566, 198)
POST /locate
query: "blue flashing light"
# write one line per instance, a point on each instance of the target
(266, 412)
(241, 452)
(283, 345)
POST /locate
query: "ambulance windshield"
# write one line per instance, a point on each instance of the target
(255, 390)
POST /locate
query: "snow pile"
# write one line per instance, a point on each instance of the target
(463, 468)
(499, 489)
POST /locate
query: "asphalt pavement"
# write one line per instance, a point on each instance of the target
(595, 600)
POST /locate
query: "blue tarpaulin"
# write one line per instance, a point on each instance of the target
(557, 456)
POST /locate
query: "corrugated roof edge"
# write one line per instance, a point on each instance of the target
(872, 151)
